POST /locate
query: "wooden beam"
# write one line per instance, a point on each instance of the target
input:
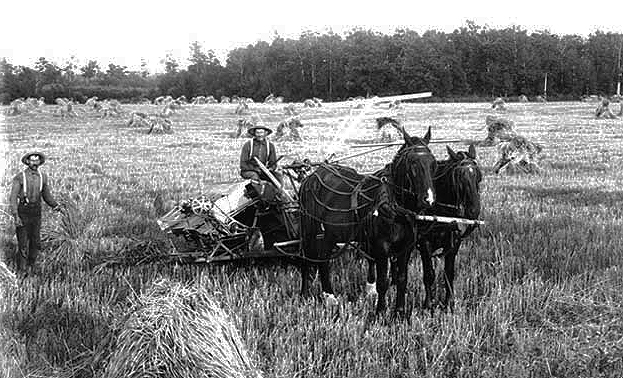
(388, 144)
(360, 153)
(435, 218)
(414, 96)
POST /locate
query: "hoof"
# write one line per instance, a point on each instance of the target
(400, 314)
(371, 290)
(330, 300)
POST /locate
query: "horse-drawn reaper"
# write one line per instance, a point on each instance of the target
(319, 210)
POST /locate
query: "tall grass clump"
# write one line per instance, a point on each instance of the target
(7, 278)
(178, 331)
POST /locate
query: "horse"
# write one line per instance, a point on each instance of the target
(340, 205)
(457, 187)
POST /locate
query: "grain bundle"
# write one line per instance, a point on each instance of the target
(498, 129)
(241, 128)
(382, 121)
(386, 134)
(518, 155)
(178, 331)
(309, 103)
(395, 105)
(199, 100)
(66, 237)
(290, 110)
(160, 125)
(91, 103)
(109, 108)
(292, 125)
(242, 108)
(138, 119)
(591, 98)
(499, 104)
(16, 107)
(603, 110)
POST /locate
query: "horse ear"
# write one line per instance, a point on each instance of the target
(472, 151)
(426, 138)
(452, 154)
(405, 135)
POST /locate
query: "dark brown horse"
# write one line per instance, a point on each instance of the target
(457, 187)
(340, 205)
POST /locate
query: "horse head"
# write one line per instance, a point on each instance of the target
(413, 168)
(465, 177)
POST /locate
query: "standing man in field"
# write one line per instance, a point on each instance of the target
(261, 148)
(29, 187)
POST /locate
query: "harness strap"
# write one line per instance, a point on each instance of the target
(353, 199)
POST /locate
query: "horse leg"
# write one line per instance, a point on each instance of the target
(307, 270)
(402, 263)
(429, 274)
(450, 256)
(381, 284)
(325, 272)
(371, 279)
(309, 249)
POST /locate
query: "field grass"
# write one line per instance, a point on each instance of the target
(539, 289)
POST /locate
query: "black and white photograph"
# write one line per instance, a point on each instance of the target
(313, 189)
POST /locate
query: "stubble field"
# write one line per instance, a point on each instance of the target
(539, 289)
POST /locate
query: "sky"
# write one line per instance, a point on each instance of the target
(125, 32)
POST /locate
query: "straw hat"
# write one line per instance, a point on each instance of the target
(29, 154)
(251, 130)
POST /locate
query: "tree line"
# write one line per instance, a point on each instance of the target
(472, 62)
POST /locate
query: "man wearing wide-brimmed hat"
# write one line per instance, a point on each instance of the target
(29, 187)
(261, 148)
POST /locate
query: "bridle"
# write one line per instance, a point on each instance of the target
(459, 200)
(401, 159)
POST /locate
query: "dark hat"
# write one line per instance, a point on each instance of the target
(251, 130)
(29, 154)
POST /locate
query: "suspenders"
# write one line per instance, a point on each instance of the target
(267, 150)
(24, 185)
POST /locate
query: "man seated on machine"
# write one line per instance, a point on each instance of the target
(261, 148)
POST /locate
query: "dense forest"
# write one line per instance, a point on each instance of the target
(473, 62)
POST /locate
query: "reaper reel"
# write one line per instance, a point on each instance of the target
(201, 205)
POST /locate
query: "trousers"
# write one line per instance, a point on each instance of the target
(253, 175)
(28, 235)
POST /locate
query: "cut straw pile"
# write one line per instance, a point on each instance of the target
(178, 331)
